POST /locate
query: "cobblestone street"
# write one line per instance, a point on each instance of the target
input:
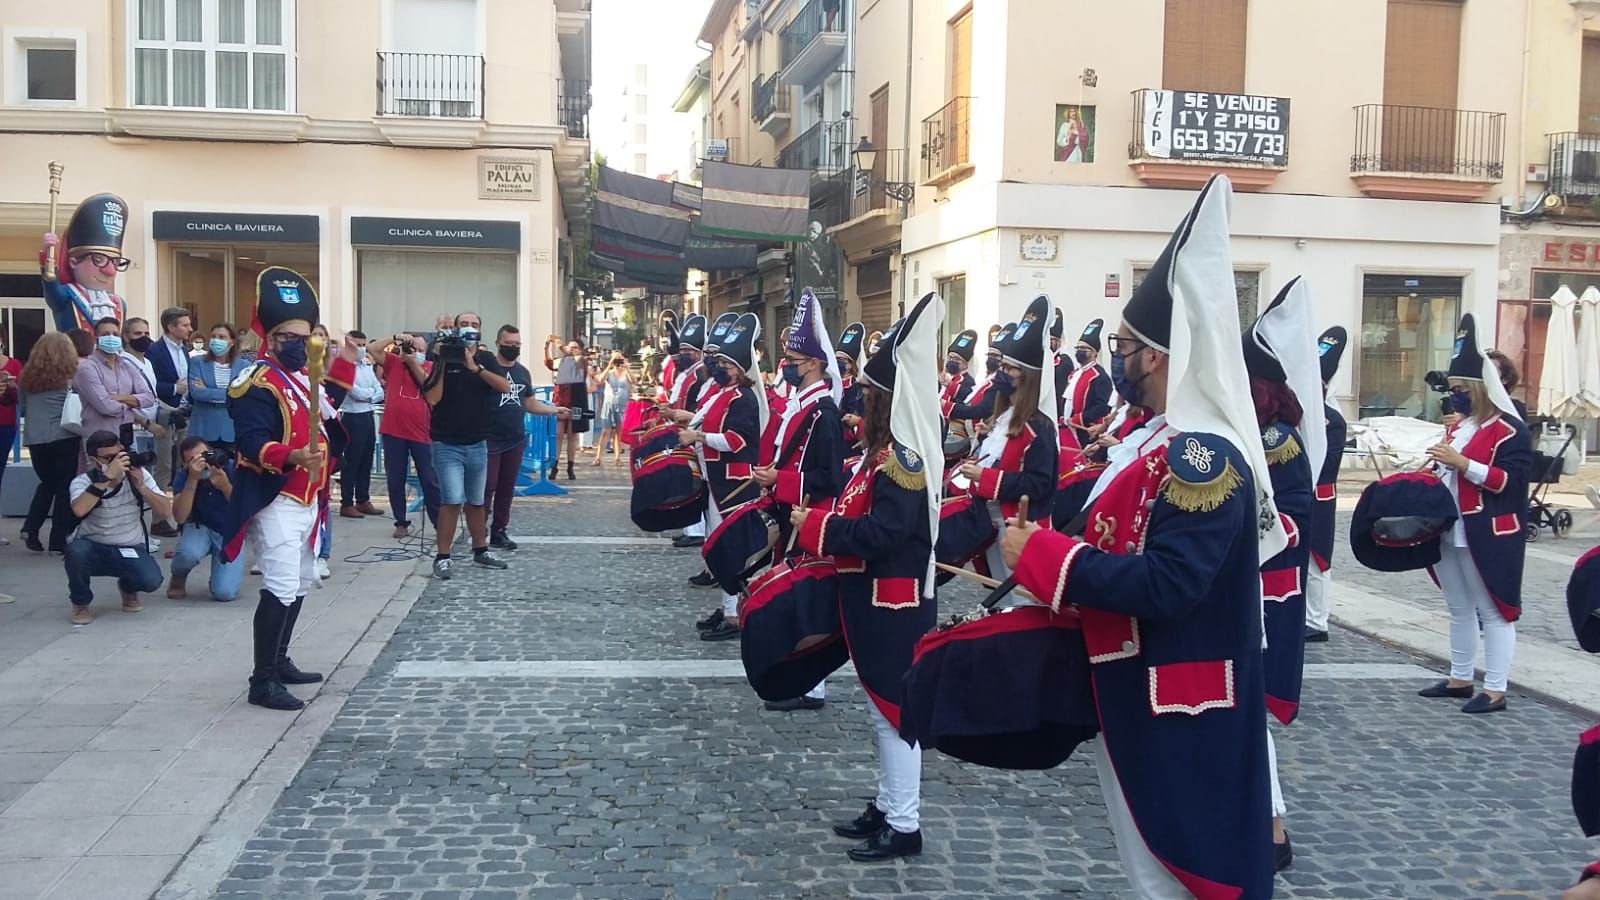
(556, 730)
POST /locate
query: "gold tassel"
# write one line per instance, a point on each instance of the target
(1205, 497)
(1289, 449)
(899, 474)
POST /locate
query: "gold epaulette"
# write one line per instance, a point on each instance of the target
(255, 376)
(1280, 445)
(1194, 482)
(904, 467)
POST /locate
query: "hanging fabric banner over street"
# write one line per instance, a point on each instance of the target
(755, 203)
(641, 208)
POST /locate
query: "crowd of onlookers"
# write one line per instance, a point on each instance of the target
(128, 432)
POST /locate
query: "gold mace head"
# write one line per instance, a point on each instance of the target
(316, 353)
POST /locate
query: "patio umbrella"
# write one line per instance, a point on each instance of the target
(1588, 362)
(1558, 380)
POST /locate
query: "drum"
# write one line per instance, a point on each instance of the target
(1583, 600)
(1007, 690)
(668, 488)
(635, 419)
(957, 445)
(1399, 520)
(741, 544)
(965, 531)
(1073, 488)
(790, 636)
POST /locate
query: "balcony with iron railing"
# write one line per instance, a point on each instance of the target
(572, 106)
(1574, 174)
(946, 143)
(1181, 138)
(771, 104)
(876, 202)
(430, 85)
(1421, 153)
(824, 148)
(813, 41)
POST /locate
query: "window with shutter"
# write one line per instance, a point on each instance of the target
(1204, 45)
(1422, 58)
(1589, 88)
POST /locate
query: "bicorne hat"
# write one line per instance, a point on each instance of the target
(963, 345)
(693, 334)
(97, 226)
(1091, 333)
(851, 342)
(283, 295)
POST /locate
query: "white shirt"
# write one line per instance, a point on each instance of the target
(365, 392)
(143, 365)
(1121, 456)
(798, 402)
(1070, 408)
(1477, 473)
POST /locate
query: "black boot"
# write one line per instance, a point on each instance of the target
(288, 672)
(265, 688)
(886, 845)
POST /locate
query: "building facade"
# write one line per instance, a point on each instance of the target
(411, 157)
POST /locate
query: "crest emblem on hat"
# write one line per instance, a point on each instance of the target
(288, 291)
(963, 340)
(1461, 341)
(1326, 344)
(111, 218)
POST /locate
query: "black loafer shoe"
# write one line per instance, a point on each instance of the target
(1282, 855)
(703, 579)
(289, 673)
(1482, 704)
(1313, 636)
(722, 631)
(273, 695)
(688, 541)
(795, 703)
(1443, 689)
(863, 826)
(711, 621)
(886, 845)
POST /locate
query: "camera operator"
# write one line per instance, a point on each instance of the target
(405, 426)
(111, 538)
(464, 388)
(204, 485)
(508, 435)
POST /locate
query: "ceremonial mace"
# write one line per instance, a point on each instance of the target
(55, 194)
(316, 365)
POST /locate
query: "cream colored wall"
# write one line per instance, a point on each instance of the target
(94, 19)
(1554, 70)
(336, 58)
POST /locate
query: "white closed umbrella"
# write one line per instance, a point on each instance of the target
(1558, 380)
(1588, 354)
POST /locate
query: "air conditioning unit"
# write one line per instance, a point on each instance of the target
(1575, 166)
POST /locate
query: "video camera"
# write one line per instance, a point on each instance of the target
(452, 344)
(1439, 383)
(136, 459)
(215, 458)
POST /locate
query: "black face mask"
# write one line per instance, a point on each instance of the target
(1082, 356)
(685, 362)
(991, 365)
(952, 367)
(721, 376)
(141, 344)
(509, 351)
(292, 355)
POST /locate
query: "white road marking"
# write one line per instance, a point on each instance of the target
(584, 539)
(572, 668)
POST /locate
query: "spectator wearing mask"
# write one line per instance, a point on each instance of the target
(111, 540)
(209, 376)
(571, 380)
(356, 412)
(204, 484)
(149, 429)
(112, 389)
(508, 435)
(464, 389)
(43, 387)
(407, 421)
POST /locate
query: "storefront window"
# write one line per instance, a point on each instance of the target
(1523, 325)
(954, 292)
(1246, 285)
(217, 282)
(1408, 327)
(406, 290)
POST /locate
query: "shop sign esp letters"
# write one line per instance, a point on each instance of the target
(1583, 253)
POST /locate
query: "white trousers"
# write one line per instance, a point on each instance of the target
(282, 533)
(713, 518)
(899, 775)
(1279, 808)
(1150, 879)
(1471, 606)
(698, 529)
(1317, 584)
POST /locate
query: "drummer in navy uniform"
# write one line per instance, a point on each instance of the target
(1166, 578)
(1320, 527)
(1061, 362)
(956, 380)
(802, 451)
(279, 477)
(1286, 388)
(880, 533)
(1484, 460)
(80, 291)
(979, 404)
(690, 380)
(852, 343)
(1088, 399)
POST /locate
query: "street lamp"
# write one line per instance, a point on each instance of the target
(866, 159)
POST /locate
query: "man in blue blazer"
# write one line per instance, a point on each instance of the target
(169, 357)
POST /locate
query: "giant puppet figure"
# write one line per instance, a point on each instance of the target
(284, 462)
(80, 269)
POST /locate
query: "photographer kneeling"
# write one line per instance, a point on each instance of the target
(203, 485)
(112, 539)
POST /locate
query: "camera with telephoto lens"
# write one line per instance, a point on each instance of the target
(215, 458)
(1437, 381)
(136, 459)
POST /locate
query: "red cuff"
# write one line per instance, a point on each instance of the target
(274, 457)
(1290, 529)
(813, 531)
(341, 372)
(988, 484)
(1045, 564)
(1496, 480)
(735, 441)
(788, 487)
(946, 407)
(1590, 871)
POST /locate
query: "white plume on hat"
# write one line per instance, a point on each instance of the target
(914, 417)
(1286, 327)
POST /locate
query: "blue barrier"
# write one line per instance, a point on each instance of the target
(540, 454)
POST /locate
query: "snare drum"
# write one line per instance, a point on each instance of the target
(790, 636)
(965, 531)
(741, 543)
(1008, 690)
(1399, 521)
(668, 488)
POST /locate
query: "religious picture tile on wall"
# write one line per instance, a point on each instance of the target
(1074, 134)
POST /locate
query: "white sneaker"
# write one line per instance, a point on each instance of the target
(255, 570)
(322, 569)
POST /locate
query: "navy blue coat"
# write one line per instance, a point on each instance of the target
(1283, 577)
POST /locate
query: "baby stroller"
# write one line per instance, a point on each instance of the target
(1547, 471)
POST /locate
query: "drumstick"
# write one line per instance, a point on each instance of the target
(794, 533)
(970, 576)
(1010, 584)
